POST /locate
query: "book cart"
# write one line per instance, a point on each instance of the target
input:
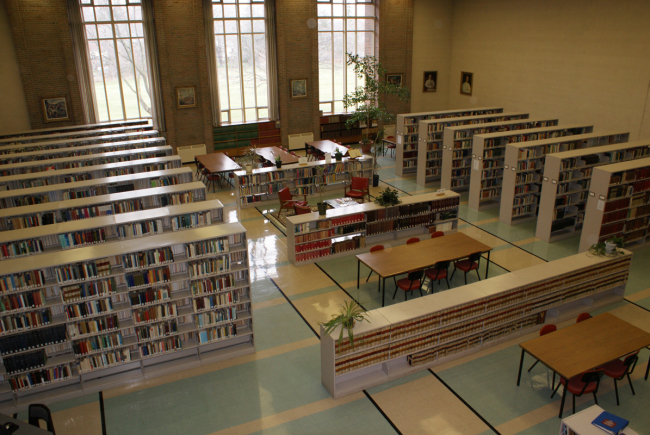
(428, 162)
(113, 203)
(54, 130)
(411, 336)
(566, 183)
(347, 230)
(486, 177)
(261, 186)
(76, 134)
(94, 187)
(55, 153)
(522, 183)
(56, 176)
(134, 309)
(406, 129)
(618, 203)
(457, 148)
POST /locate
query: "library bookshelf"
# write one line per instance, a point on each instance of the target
(347, 230)
(261, 186)
(618, 203)
(49, 144)
(94, 187)
(133, 309)
(76, 134)
(566, 183)
(233, 139)
(486, 177)
(411, 336)
(101, 205)
(457, 148)
(55, 153)
(81, 127)
(84, 160)
(68, 175)
(406, 129)
(428, 162)
(522, 183)
(62, 236)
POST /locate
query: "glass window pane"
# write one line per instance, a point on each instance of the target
(338, 107)
(258, 26)
(324, 10)
(338, 24)
(88, 14)
(258, 11)
(118, 2)
(105, 31)
(135, 13)
(234, 74)
(230, 11)
(365, 10)
(325, 107)
(111, 77)
(236, 116)
(325, 66)
(251, 115)
(101, 2)
(244, 11)
(248, 70)
(217, 11)
(261, 78)
(337, 10)
(119, 13)
(218, 27)
(98, 80)
(339, 66)
(91, 31)
(142, 74)
(324, 24)
(129, 87)
(122, 31)
(246, 26)
(225, 117)
(263, 113)
(366, 24)
(103, 14)
(351, 24)
(137, 30)
(231, 26)
(222, 71)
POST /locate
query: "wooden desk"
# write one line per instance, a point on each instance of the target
(24, 428)
(421, 255)
(270, 153)
(327, 146)
(584, 346)
(218, 162)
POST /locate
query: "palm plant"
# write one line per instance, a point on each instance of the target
(349, 313)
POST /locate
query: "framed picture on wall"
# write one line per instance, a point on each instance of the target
(466, 83)
(394, 79)
(185, 97)
(298, 89)
(55, 109)
(430, 81)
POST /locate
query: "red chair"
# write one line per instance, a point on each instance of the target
(391, 145)
(301, 209)
(437, 234)
(287, 202)
(583, 316)
(412, 282)
(412, 240)
(438, 272)
(375, 249)
(471, 263)
(212, 178)
(585, 383)
(546, 329)
(358, 188)
(618, 369)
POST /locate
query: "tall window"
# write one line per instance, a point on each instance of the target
(240, 44)
(344, 26)
(116, 48)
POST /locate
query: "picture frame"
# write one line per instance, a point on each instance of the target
(185, 97)
(430, 81)
(394, 79)
(298, 89)
(466, 83)
(55, 109)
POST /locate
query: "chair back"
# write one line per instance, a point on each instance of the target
(300, 209)
(416, 276)
(583, 316)
(442, 265)
(591, 376)
(359, 183)
(284, 194)
(547, 329)
(475, 257)
(38, 412)
(437, 234)
(377, 248)
(412, 240)
(630, 361)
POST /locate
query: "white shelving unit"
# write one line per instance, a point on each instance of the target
(580, 423)
(55, 130)
(76, 134)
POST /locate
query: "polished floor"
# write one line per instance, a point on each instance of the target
(277, 390)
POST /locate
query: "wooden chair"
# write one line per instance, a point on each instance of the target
(412, 282)
(358, 188)
(301, 209)
(471, 263)
(437, 234)
(287, 202)
(375, 249)
(390, 145)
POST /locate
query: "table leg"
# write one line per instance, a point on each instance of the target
(562, 403)
(383, 292)
(521, 363)
(647, 370)
(358, 271)
(487, 266)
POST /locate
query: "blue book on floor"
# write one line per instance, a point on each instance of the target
(610, 423)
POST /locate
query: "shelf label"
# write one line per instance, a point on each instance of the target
(399, 139)
(602, 197)
(513, 169)
(506, 167)
(600, 206)
(554, 181)
(592, 194)
(476, 165)
(440, 190)
(474, 155)
(480, 158)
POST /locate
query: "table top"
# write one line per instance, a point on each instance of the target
(426, 253)
(586, 345)
(218, 162)
(269, 153)
(24, 428)
(327, 146)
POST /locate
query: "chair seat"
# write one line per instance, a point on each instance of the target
(300, 203)
(466, 265)
(614, 369)
(575, 385)
(390, 145)
(408, 285)
(431, 274)
(355, 194)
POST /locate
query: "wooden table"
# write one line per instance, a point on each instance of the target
(421, 255)
(24, 428)
(584, 346)
(218, 163)
(327, 146)
(270, 153)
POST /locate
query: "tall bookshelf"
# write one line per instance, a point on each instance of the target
(428, 162)
(618, 203)
(36, 146)
(412, 336)
(55, 153)
(347, 230)
(233, 139)
(407, 131)
(94, 187)
(486, 177)
(68, 175)
(457, 148)
(261, 186)
(76, 134)
(522, 184)
(54, 130)
(122, 311)
(566, 182)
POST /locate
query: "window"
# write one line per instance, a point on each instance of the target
(116, 48)
(240, 45)
(344, 26)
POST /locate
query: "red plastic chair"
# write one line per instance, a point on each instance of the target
(468, 265)
(375, 249)
(412, 282)
(391, 145)
(546, 329)
(358, 188)
(301, 209)
(618, 369)
(412, 240)
(585, 383)
(437, 234)
(438, 272)
(212, 178)
(287, 202)
(582, 317)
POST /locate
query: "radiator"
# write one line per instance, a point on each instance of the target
(188, 152)
(297, 141)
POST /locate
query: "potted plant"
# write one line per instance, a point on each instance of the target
(387, 198)
(278, 161)
(613, 243)
(338, 155)
(608, 248)
(250, 158)
(368, 99)
(349, 314)
(320, 182)
(366, 144)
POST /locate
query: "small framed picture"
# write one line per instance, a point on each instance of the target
(466, 82)
(394, 79)
(298, 89)
(430, 81)
(185, 97)
(55, 109)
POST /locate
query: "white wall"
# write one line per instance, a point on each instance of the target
(13, 110)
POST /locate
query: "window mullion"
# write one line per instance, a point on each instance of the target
(135, 76)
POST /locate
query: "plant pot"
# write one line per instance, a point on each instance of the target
(249, 168)
(278, 164)
(349, 324)
(340, 158)
(365, 147)
(375, 180)
(322, 208)
(610, 247)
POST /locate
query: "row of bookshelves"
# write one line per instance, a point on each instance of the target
(70, 131)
